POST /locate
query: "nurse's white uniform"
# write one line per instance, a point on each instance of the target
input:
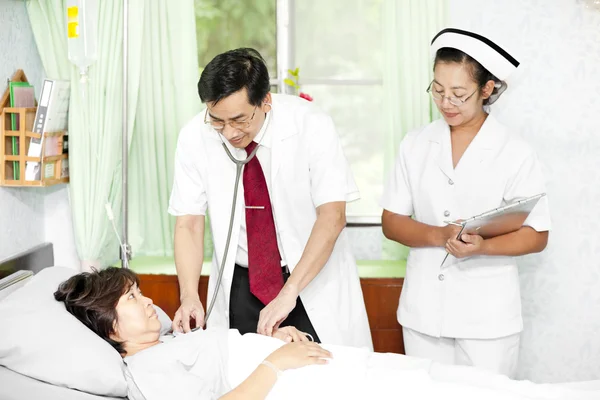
(476, 297)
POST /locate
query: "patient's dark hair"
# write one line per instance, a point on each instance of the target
(92, 298)
(233, 71)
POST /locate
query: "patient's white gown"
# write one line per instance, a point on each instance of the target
(207, 364)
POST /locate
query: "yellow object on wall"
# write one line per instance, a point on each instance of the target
(72, 22)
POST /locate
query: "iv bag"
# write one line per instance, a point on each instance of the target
(82, 17)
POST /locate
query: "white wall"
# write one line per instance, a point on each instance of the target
(30, 216)
(554, 102)
(58, 226)
(21, 210)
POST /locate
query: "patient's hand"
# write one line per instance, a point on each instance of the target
(290, 334)
(299, 354)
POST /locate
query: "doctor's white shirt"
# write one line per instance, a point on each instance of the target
(475, 297)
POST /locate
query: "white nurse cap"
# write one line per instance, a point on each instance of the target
(494, 58)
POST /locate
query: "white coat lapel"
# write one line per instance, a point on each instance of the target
(282, 127)
(443, 158)
(482, 147)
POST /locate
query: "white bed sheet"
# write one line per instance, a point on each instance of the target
(359, 374)
(390, 367)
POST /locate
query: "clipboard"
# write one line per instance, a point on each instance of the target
(498, 221)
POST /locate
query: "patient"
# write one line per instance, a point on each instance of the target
(222, 364)
(110, 303)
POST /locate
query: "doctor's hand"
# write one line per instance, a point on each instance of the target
(190, 307)
(277, 310)
(290, 334)
(471, 245)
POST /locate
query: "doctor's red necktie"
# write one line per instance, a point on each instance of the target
(264, 260)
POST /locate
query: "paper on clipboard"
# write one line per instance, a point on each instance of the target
(498, 221)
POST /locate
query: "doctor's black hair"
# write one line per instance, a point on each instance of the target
(478, 72)
(92, 298)
(233, 71)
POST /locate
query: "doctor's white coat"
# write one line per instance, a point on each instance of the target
(308, 169)
(476, 297)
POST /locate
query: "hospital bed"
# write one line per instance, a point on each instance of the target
(15, 385)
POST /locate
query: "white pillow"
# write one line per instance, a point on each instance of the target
(40, 339)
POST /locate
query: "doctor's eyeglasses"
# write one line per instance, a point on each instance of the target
(455, 101)
(220, 125)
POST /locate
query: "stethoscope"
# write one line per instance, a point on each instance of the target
(239, 166)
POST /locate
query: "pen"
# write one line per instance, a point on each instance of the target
(453, 223)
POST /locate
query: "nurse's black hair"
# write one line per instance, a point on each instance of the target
(92, 298)
(233, 71)
(478, 72)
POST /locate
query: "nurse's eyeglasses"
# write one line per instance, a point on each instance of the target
(220, 125)
(455, 101)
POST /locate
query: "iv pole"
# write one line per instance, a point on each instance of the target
(125, 249)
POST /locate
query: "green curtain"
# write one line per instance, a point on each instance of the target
(168, 99)
(409, 26)
(94, 117)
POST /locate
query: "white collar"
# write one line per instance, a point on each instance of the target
(264, 136)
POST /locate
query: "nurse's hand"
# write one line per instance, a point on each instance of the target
(471, 245)
(290, 334)
(449, 232)
(190, 307)
(277, 310)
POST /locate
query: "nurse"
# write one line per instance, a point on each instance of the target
(289, 262)
(468, 310)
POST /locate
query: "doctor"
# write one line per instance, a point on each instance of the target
(467, 311)
(289, 262)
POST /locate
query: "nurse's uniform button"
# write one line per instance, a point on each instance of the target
(446, 213)
(450, 182)
(441, 277)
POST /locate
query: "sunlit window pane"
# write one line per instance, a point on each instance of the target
(338, 38)
(356, 111)
(223, 25)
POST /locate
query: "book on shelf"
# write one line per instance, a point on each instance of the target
(51, 116)
(21, 95)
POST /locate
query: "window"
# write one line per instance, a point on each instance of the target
(337, 46)
(339, 52)
(223, 25)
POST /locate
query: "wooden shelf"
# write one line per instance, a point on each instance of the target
(53, 167)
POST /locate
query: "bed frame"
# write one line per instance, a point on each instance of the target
(34, 260)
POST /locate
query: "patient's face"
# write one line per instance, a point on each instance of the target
(137, 322)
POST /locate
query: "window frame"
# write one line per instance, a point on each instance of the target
(285, 61)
